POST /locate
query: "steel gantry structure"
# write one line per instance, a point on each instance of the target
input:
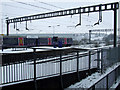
(81, 10)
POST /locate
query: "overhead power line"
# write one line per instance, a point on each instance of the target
(32, 5)
(36, 6)
(49, 4)
(19, 7)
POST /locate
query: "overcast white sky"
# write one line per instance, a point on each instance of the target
(12, 9)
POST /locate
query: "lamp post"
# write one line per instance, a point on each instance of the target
(54, 28)
(2, 23)
(2, 26)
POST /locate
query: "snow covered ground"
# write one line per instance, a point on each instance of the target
(90, 47)
(91, 80)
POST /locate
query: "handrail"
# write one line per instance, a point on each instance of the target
(104, 77)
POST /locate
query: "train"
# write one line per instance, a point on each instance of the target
(18, 41)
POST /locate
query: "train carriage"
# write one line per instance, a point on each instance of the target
(17, 41)
(69, 41)
(12, 41)
(30, 42)
(42, 42)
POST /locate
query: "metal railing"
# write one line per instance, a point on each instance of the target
(109, 57)
(43, 68)
(58, 65)
(107, 81)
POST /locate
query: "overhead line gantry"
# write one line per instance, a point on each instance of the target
(81, 10)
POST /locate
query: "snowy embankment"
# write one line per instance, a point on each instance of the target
(94, 78)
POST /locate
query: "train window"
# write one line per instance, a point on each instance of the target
(55, 39)
(7, 41)
(42, 41)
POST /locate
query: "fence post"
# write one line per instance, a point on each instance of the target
(98, 60)
(61, 81)
(89, 62)
(93, 87)
(119, 70)
(116, 75)
(101, 60)
(107, 88)
(118, 53)
(78, 66)
(35, 82)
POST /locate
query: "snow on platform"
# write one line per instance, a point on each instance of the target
(48, 48)
(51, 48)
(89, 47)
(94, 78)
(20, 50)
(40, 49)
(10, 50)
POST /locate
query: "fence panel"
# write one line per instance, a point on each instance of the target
(111, 79)
(119, 53)
(109, 57)
(101, 85)
(104, 59)
(94, 59)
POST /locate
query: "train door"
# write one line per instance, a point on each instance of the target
(55, 41)
(20, 41)
(49, 41)
(65, 41)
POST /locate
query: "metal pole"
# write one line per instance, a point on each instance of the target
(89, 36)
(7, 28)
(89, 62)
(93, 87)
(101, 60)
(2, 25)
(53, 31)
(116, 75)
(100, 14)
(78, 66)
(98, 60)
(35, 82)
(115, 26)
(61, 81)
(107, 88)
